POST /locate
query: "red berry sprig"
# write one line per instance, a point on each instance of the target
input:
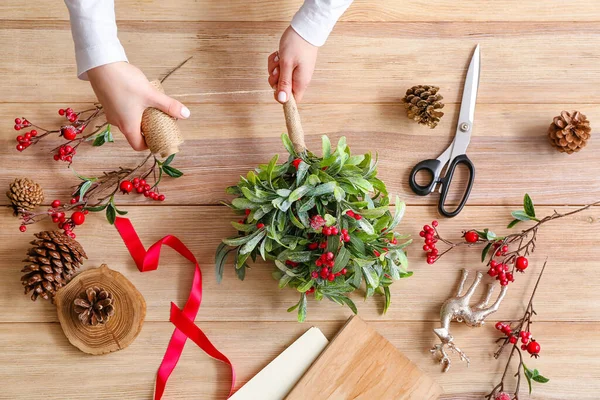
(429, 234)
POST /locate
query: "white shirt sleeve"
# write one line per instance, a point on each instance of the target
(94, 30)
(316, 18)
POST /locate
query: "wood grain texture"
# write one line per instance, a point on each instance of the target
(361, 10)
(259, 298)
(120, 330)
(507, 138)
(31, 351)
(538, 58)
(368, 61)
(359, 363)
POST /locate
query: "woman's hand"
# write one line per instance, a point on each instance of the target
(124, 92)
(291, 68)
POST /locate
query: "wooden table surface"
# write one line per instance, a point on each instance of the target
(538, 58)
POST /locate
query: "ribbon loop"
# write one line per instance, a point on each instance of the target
(182, 319)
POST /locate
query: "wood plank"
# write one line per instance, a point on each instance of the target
(567, 292)
(509, 149)
(361, 10)
(31, 350)
(360, 363)
(371, 61)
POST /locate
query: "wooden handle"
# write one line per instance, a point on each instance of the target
(294, 125)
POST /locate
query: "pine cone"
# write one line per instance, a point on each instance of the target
(53, 261)
(569, 132)
(25, 194)
(422, 103)
(94, 306)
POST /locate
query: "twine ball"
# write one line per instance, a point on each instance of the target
(160, 130)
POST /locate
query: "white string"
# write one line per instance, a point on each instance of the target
(220, 93)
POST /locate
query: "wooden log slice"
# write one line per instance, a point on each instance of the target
(120, 330)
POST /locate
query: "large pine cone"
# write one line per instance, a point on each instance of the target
(52, 263)
(569, 132)
(25, 194)
(422, 103)
(94, 306)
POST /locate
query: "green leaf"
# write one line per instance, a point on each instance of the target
(528, 375)
(111, 214)
(283, 192)
(301, 172)
(305, 286)
(339, 194)
(341, 260)
(388, 299)
(323, 188)
(121, 212)
(520, 215)
(242, 227)
(284, 280)
(221, 255)
(99, 140)
(361, 183)
(287, 143)
(528, 206)
(326, 146)
(302, 308)
(341, 146)
(251, 196)
(402, 259)
(292, 308)
(485, 251)
(97, 208)
(242, 203)
(172, 172)
(371, 276)
(299, 193)
(308, 205)
(251, 244)
(366, 226)
(540, 379)
(83, 189)
(238, 241)
(343, 300)
(284, 268)
(374, 212)
(169, 160)
(513, 223)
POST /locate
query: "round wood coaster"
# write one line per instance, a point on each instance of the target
(120, 330)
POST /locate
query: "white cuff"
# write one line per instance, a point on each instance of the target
(315, 20)
(96, 56)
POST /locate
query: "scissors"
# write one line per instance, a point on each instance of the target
(455, 153)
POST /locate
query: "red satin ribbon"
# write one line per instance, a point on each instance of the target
(182, 319)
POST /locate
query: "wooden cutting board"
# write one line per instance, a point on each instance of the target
(359, 363)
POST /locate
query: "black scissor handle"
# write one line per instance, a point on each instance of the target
(447, 179)
(433, 166)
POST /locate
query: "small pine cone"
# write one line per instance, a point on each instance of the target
(422, 103)
(569, 132)
(52, 263)
(25, 194)
(94, 306)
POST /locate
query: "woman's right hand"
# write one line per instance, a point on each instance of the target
(125, 92)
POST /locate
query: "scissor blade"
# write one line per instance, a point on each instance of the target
(467, 107)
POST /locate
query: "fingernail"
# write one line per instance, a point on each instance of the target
(276, 58)
(282, 97)
(185, 112)
(275, 71)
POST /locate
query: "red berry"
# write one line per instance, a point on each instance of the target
(23, 228)
(17, 127)
(422, 233)
(142, 182)
(524, 347)
(471, 236)
(326, 231)
(324, 273)
(20, 147)
(499, 325)
(27, 136)
(18, 121)
(377, 254)
(140, 189)
(510, 277)
(394, 241)
(430, 260)
(126, 187)
(329, 255)
(522, 263)
(161, 197)
(357, 217)
(504, 248)
(334, 230)
(426, 248)
(55, 204)
(136, 181)
(533, 348)
(69, 133)
(33, 132)
(147, 193)
(502, 396)
(73, 201)
(296, 162)
(69, 110)
(434, 223)
(319, 262)
(524, 339)
(78, 218)
(72, 118)
(350, 213)
(344, 231)
(68, 159)
(513, 339)
(61, 112)
(346, 238)
(492, 272)
(56, 157)
(322, 245)
(331, 277)
(247, 211)
(314, 274)
(313, 246)
(344, 271)
(260, 225)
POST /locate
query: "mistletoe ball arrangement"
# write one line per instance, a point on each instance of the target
(325, 222)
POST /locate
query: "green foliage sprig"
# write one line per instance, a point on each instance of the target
(282, 206)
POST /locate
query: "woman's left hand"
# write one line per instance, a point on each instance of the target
(291, 68)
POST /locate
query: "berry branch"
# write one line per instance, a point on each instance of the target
(505, 255)
(513, 331)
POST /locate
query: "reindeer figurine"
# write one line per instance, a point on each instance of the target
(458, 309)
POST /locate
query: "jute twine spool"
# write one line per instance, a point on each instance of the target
(294, 126)
(160, 130)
